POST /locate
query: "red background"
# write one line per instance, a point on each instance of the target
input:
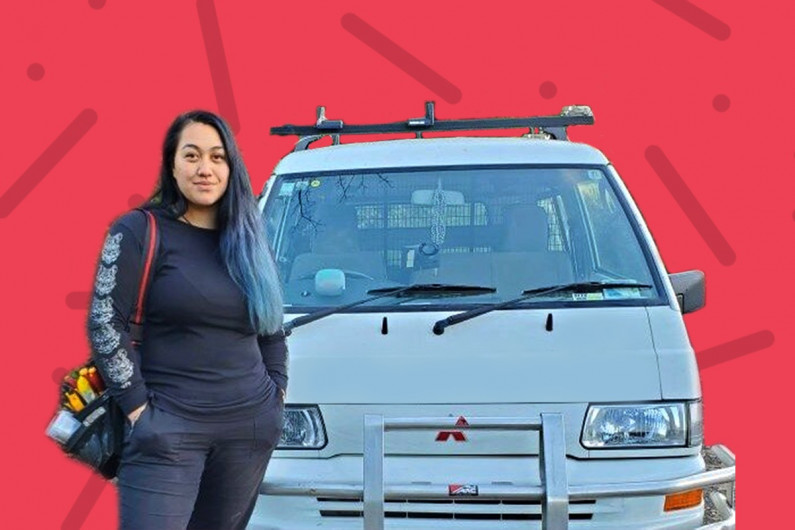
(650, 76)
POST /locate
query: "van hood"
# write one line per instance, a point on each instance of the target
(592, 354)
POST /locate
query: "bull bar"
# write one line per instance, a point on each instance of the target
(554, 493)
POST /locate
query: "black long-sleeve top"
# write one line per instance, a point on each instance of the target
(201, 357)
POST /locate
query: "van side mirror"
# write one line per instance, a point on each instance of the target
(690, 290)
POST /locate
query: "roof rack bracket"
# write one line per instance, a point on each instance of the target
(558, 133)
(303, 142)
(325, 124)
(427, 121)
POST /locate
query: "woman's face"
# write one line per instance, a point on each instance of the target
(200, 166)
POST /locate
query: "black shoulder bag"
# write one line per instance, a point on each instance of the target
(92, 430)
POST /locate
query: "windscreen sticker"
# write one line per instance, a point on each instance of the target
(287, 189)
(315, 183)
(622, 292)
(579, 297)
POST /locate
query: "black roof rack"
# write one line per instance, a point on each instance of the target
(552, 126)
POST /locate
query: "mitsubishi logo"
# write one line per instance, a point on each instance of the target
(458, 436)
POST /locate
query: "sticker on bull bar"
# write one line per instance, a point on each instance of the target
(462, 490)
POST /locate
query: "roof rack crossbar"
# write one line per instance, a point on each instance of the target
(554, 125)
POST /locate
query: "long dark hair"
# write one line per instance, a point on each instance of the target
(244, 246)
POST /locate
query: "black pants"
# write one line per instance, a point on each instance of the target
(177, 473)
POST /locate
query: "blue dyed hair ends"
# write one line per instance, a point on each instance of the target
(244, 247)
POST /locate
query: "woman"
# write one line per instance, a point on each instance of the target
(204, 393)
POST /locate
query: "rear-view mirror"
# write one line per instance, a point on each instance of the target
(426, 197)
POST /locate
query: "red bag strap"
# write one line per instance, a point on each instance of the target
(151, 244)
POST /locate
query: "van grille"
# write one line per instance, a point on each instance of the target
(454, 509)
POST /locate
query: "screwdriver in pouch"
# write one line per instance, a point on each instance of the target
(95, 380)
(75, 403)
(84, 387)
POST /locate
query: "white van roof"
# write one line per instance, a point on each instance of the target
(424, 152)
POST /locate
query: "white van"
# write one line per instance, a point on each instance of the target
(482, 335)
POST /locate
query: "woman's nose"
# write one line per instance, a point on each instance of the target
(204, 167)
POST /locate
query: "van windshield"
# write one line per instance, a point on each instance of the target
(336, 236)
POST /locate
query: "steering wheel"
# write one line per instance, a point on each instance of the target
(348, 273)
(429, 249)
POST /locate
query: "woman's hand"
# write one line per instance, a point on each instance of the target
(134, 415)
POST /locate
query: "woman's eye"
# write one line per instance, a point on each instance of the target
(191, 156)
(219, 157)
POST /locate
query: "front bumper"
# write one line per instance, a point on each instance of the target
(510, 493)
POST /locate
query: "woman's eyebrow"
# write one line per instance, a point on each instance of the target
(192, 146)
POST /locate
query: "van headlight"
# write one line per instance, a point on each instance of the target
(643, 425)
(303, 428)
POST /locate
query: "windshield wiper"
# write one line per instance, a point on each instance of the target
(438, 327)
(413, 290)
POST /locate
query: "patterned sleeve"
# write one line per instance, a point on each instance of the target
(112, 302)
(274, 354)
